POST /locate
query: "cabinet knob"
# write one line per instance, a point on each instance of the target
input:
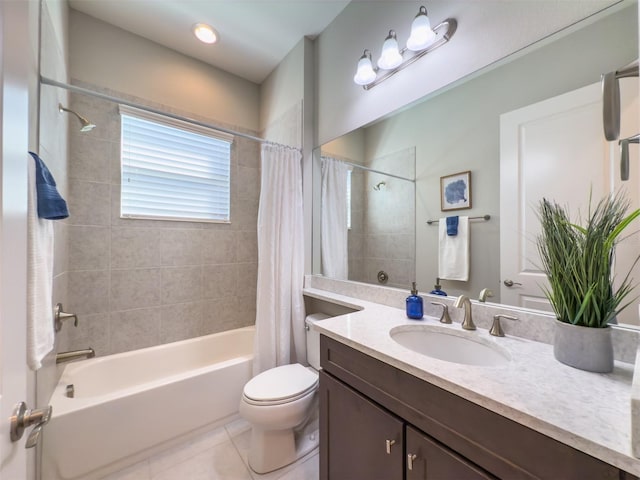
(410, 458)
(389, 444)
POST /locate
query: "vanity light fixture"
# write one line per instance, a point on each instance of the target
(422, 40)
(205, 33)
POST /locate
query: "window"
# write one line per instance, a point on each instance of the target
(173, 170)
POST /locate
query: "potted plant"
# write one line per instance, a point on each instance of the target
(578, 262)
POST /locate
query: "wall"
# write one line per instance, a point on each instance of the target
(382, 233)
(286, 116)
(487, 31)
(137, 283)
(389, 219)
(119, 60)
(281, 95)
(458, 130)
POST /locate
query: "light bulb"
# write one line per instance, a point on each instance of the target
(421, 33)
(205, 33)
(364, 73)
(390, 57)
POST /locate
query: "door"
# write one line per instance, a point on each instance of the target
(358, 439)
(14, 128)
(550, 149)
(428, 459)
(554, 149)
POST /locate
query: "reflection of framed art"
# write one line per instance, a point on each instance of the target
(455, 191)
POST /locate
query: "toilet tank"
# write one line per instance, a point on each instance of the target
(313, 339)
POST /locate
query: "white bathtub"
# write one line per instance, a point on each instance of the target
(129, 403)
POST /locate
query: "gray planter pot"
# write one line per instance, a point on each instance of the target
(585, 348)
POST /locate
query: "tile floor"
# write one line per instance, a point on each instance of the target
(217, 455)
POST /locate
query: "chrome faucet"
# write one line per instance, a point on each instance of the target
(467, 322)
(63, 357)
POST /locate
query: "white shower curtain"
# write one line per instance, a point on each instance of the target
(280, 333)
(334, 239)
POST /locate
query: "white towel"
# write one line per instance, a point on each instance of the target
(40, 334)
(453, 258)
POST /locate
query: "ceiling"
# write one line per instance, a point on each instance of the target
(254, 35)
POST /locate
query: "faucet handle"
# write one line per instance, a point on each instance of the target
(496, 328)
(60, 315)
(484, 294)
(444, 318)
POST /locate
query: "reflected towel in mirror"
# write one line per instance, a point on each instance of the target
(453, 258)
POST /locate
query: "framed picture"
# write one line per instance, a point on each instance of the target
(455, 191)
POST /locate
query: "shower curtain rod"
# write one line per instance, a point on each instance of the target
(376, 171)
(109, 98)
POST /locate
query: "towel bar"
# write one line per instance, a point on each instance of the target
(484, 217)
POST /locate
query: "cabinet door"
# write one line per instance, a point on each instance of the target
(358, 439)
(430, 460)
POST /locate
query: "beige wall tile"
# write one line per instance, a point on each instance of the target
(219, 247)
(135, 288)
(88, 248)
(181, 284)
(182, 247)
(134, 329)
(89, 203)
(88, 291)
(180, 321)
(89, 158)
(219, 281)
(135, 247)
(92, 331)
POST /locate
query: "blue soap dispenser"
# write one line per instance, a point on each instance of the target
(436, 289)
(415, 308)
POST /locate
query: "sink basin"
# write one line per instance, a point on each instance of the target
(447, 344)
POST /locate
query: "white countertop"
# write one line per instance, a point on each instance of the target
(588, 411)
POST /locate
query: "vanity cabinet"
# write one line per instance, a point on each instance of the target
(374, 418)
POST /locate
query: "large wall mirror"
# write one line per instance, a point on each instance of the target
(459, 130)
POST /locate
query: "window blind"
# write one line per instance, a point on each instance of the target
(172, 169)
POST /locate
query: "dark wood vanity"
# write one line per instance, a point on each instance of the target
(380, 423)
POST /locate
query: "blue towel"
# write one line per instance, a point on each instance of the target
(452, 226)
(50, 204)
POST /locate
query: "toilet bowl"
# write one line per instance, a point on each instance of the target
(278, 403)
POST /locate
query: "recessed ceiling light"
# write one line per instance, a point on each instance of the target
(205, 33)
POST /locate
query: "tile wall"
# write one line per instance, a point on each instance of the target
(139, 283)
(383, 221)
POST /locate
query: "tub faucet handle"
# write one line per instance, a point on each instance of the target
(59, 315)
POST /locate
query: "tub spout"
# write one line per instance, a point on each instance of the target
(63, 357)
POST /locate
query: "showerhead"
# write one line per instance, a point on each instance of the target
(87, 126)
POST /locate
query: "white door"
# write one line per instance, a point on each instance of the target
(556, 149)
(14, 127)
(553, 149)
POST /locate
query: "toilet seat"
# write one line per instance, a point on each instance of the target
(279, 385)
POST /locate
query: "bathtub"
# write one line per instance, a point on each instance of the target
(130, 403)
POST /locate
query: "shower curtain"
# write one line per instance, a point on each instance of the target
(280, 333)
(334, 239)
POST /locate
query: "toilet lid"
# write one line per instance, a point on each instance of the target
(280, 383)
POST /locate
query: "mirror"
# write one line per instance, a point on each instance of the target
(458, 130)
(379, 227)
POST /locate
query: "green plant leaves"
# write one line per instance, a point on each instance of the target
(577, 260)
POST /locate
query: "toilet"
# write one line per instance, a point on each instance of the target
(279, 403)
